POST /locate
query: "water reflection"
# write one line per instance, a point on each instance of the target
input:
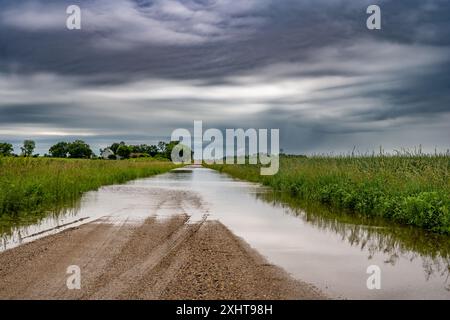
(373, 235)
(17, 230)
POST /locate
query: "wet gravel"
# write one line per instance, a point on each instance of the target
(158, 259)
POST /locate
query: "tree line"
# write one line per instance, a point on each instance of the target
(79, 149)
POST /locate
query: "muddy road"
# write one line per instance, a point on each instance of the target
(170, 254)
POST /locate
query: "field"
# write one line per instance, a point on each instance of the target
(29, 187)
(409, 189)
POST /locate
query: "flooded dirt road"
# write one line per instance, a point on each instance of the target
(163, 246)
(188, 233)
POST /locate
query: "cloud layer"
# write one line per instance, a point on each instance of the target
(139, 69)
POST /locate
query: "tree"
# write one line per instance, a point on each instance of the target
(28, 148)
(116, 146)
(59, 150)
(145, 149)
(136, 149)
(162, 147)
(124, 151)
(152, 150)
(6, 149)
(79, 149)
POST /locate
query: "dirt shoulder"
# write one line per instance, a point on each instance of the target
(159, 259)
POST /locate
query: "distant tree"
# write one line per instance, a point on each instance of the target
(59, 150)
(124, 151)
(145, 149)
(136, 149)
(162, 147)
(28, 148)
(79, 149)
(152, 150)
(116, 146)
(6, 149)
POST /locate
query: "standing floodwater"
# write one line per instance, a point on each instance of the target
(330, 250)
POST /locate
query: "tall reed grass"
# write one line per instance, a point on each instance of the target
(412, 189)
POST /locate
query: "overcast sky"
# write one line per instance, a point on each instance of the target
(139, 69)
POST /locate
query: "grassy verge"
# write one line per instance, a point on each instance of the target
(31, 186)
(409, 189)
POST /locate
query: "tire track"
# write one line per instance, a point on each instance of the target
(130, 278)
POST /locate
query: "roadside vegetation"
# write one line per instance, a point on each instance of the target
(411, 189)
(31, 186)
(79, 149)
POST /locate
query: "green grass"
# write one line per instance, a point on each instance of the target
(409, 189)
(30, 187)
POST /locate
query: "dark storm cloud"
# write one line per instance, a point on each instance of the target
(40, 114)
(290, 30)
(311, 68)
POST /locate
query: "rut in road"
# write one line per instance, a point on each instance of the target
(115, 284)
